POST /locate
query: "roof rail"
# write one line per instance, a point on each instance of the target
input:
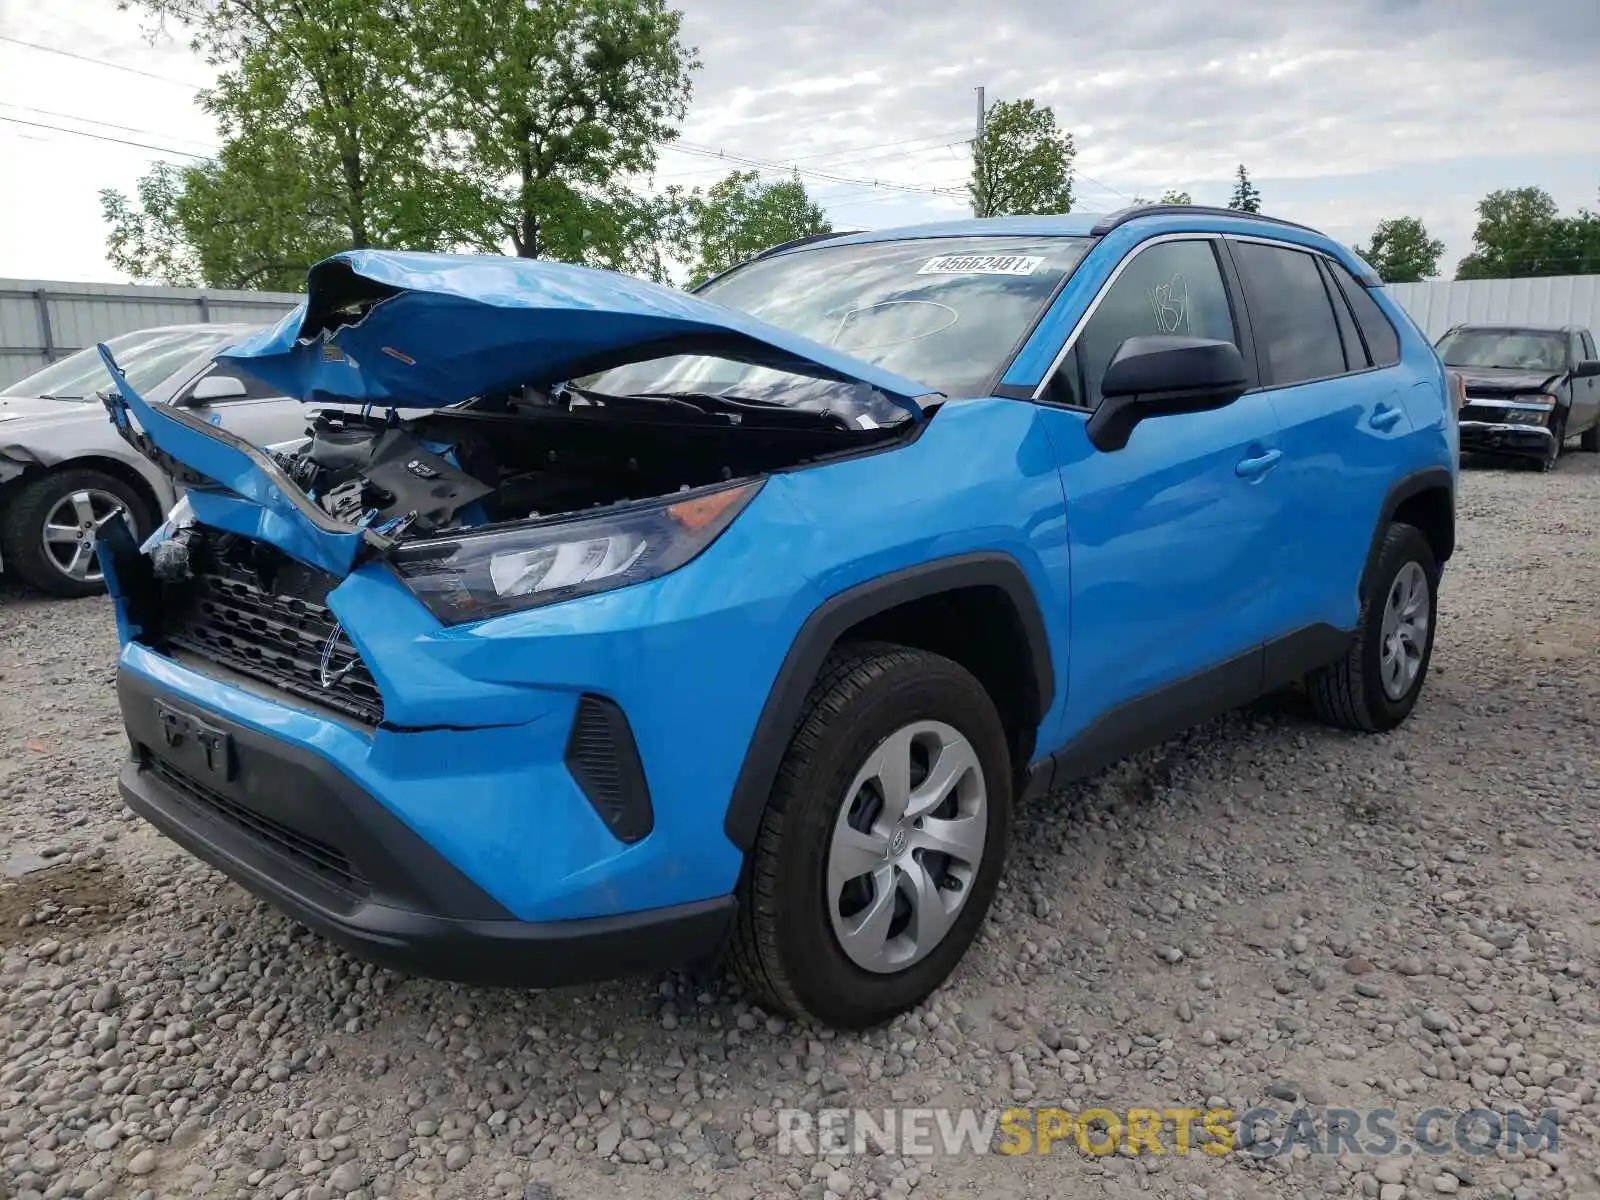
(1123, 215)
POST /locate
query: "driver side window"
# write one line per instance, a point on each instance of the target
(1170, 288)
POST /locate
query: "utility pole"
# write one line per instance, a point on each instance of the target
(980, 203)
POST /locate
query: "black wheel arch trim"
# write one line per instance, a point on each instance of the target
(821, 632)
(1426, 480)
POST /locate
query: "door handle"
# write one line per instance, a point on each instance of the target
(1384, 417)
(1256, 467)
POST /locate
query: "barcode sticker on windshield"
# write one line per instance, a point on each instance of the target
(981, 264)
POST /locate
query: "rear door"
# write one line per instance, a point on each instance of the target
(1340, 399)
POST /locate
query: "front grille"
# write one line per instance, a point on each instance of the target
(1471, 412)
(278, 635)
(318, 860)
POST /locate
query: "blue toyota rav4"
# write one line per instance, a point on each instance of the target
(597, 627)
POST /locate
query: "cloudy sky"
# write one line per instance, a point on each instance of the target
(1343, 112)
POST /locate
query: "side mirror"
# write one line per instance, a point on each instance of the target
(1587, 369)
(1162, 375)
(217, 387)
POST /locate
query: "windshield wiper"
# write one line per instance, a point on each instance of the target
(738, 404)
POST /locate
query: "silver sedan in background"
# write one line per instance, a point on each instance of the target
(64, 468)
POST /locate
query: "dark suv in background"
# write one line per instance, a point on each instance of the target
(1529, 389)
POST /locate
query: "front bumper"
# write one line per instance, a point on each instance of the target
(292, 828)
(1491, 437)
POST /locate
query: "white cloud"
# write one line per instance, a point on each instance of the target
(1343, 113)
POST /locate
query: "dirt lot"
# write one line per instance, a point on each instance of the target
(1262, 912)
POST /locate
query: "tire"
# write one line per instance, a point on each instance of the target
(787, 945)
(1590, 441)
(1352, 693)
(1548, 463)
(22, 527)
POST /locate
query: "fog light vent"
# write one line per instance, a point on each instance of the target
(604, 761)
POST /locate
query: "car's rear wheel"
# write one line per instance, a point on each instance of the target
(882, 843)
(1590, 441)
(48, 529)
(1376, 684)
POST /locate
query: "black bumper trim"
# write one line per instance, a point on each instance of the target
(1524, 441)
(448, 935)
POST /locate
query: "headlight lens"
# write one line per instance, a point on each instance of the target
(1527, 416)
(474, 576)
(179, 516)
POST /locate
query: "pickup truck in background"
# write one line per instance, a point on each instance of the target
(1528, 389)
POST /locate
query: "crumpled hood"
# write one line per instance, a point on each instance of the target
(1506, 380)
(427, 330)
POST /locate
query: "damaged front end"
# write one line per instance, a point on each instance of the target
(536, 463)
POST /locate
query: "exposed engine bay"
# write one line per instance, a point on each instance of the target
(515, 460)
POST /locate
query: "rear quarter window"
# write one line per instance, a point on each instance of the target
(1383, 343)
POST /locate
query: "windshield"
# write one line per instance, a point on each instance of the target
(1519, 349)
(946, 312)
(147, 356)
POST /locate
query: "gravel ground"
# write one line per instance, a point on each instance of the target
(1259, 911)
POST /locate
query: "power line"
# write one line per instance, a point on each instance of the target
(100, 137)
(789, 165)
(47, 112)
(811, 173)
(100, 62)
(851, 162)
(878, 146)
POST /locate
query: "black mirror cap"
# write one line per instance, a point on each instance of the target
(1587, 369)
(1162, 375)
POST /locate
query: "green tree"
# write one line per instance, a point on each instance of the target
(1520, 234)
(341, 78)
(547, 106)
(1401, 250)
(255, 216)
(737, 217)
(1024, 162)
(1245, 197)
(1172, 196)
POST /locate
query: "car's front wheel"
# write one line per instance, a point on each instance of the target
(1558, 444)
(48, 529)
(882, 843)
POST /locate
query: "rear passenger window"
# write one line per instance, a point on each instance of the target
(1355, 350)
(1588, 345)
(1170, 287)
(1296, 332)
(1382, 341)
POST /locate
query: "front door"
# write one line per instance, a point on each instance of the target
(257, 413)
(1585, 392)
(1176, 537)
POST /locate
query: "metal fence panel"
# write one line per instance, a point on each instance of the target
(1554, 300)
(41, 321)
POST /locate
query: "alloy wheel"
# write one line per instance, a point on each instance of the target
(69, 532)
(1406, 614)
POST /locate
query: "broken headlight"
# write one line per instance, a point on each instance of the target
(494, 571)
